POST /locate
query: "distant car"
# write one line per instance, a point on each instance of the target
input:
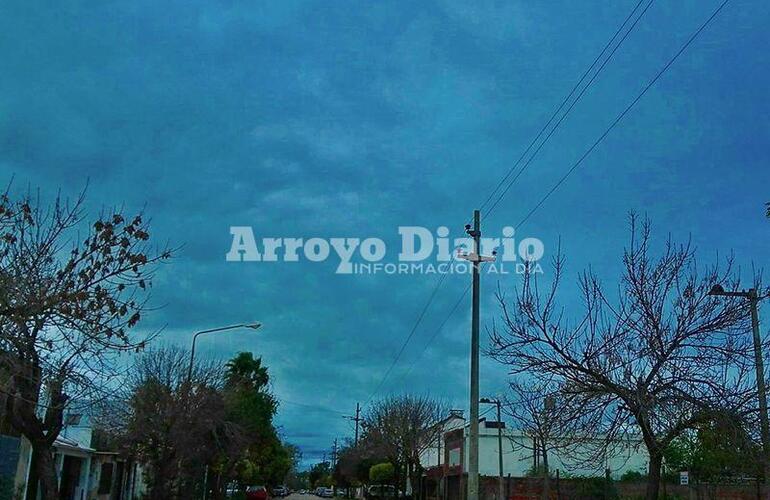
(257, 493)
(327, 492)
(280, 491)
(319, 491)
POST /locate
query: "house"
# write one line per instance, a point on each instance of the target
(84, 471)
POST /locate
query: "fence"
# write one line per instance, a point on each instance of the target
(455, 488)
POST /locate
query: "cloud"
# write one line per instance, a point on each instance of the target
(318, 119)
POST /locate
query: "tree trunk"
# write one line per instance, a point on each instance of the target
(653, 476)
(45, 471)
(546, 476)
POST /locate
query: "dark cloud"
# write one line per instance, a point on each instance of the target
(347, 119)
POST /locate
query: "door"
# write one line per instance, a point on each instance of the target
(70, 477)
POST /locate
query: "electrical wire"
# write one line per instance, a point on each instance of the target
(576, 100)
(625, 111)
(510, 171)
(615, 122)
(436, 332)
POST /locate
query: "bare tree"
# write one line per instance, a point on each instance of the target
(68, 302)
(548, 417)
(659, 361)
(401, 428)
(167, 424)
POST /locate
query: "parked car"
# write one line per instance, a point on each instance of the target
(280, 491)
(327, 492)
(380, 491)
(257, 493)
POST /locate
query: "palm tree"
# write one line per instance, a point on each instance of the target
(244, 369)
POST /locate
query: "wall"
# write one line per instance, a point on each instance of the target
(518, 456)
(573, 489)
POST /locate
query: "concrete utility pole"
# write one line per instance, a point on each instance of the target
(334, 454)
(476, 259)
(759, 364)
(357, 419)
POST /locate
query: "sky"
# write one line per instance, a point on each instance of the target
(350, 119)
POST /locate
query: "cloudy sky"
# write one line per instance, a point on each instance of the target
(350, 119)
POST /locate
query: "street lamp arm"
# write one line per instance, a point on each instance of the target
(253, 326)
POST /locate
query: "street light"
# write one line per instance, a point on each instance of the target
(496, 402)
(252, 326)
(751, 294)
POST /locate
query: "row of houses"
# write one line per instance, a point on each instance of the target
(85, 469)
(446, 461)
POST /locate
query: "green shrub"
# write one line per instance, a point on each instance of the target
(594, 488)
(633, 476)
(382, 473)
(538, 472)
(6, 488)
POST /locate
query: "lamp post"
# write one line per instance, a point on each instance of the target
(500, 486)
(753, 297)
(253, 326)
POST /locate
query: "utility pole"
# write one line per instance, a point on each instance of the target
(761, 390)
(334, 454)
(476, 259)
(759, 364)
(357, 419)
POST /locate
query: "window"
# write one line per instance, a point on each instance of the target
(105, 479)
(454, 456)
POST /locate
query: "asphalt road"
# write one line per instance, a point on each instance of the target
(297, 496)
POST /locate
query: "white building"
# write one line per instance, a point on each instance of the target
(83, 472)
(448, 454)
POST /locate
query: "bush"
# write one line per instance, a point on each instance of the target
(594, 488)
(6, 488)
(538, 472)
(382, 473)
(633, 476)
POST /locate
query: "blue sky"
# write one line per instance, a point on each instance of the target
(335, 119)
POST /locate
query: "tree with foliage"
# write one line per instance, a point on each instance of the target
(353, 464)
(320, 474)
(221, 419)
(249, 404)
(659, 361)
(382, 473)
(716, 451)
(70, 296)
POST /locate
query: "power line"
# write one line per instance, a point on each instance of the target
(555, 113)
(436, 332)
(625, 111)
(314, 407)
(600, 138)
(407, 339)
(575, 101)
